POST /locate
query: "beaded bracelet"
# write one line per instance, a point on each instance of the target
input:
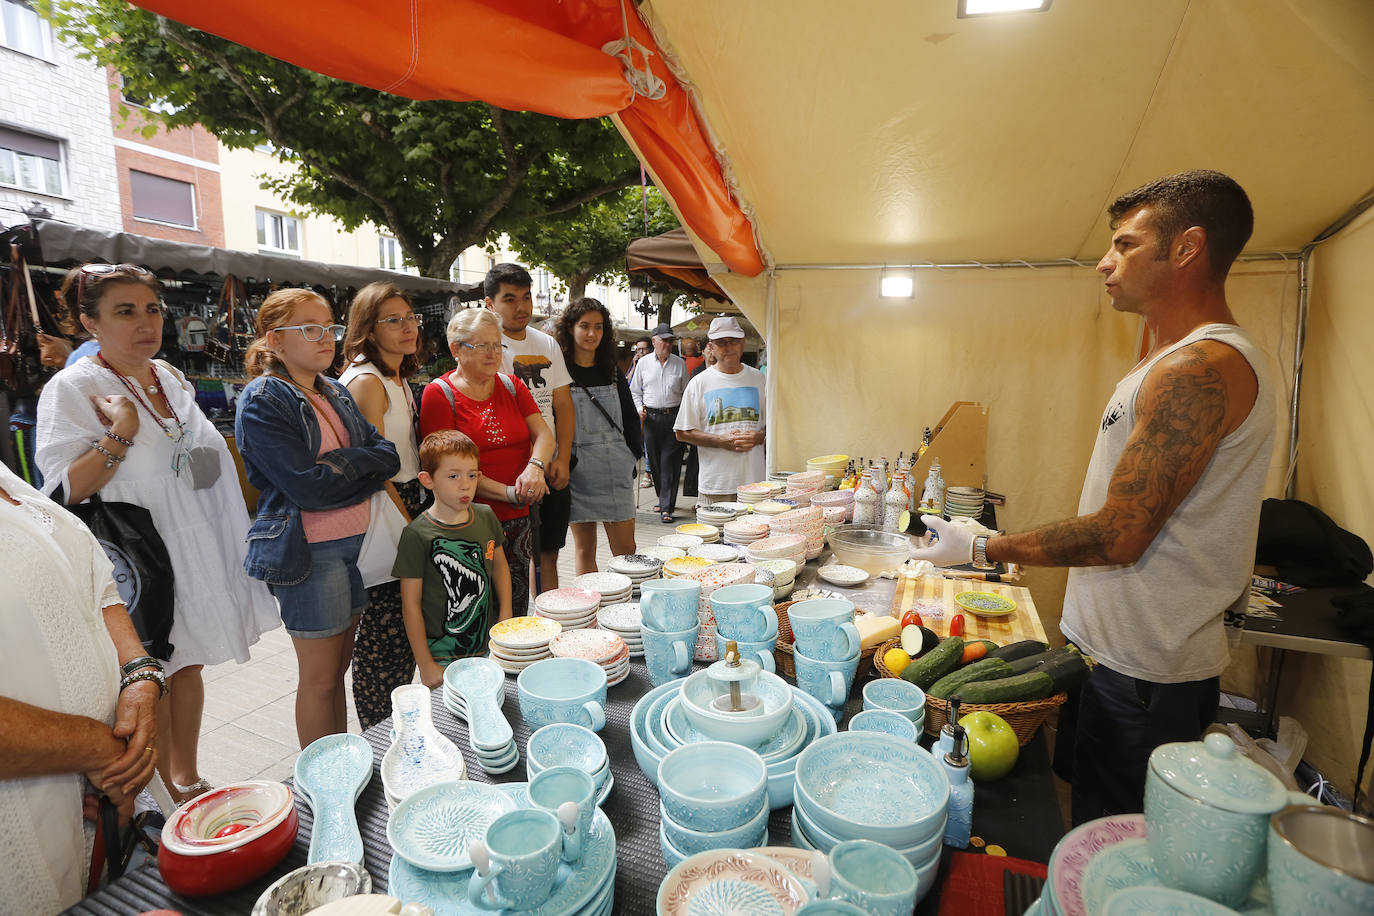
(111, 459)
(143, 661)
(149, 674)
(118, 438)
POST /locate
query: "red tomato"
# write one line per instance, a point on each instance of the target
(911, 617)
(956, 625)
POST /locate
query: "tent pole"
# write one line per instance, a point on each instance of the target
(1299, 346)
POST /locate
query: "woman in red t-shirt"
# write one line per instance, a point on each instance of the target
(514, 442)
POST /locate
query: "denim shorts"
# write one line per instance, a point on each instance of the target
(330, 597)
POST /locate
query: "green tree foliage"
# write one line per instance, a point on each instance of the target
(439, 175)
(588, 244)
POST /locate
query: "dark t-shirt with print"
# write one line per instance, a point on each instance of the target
(454, 564)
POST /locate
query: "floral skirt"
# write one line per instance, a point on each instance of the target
(382, 659)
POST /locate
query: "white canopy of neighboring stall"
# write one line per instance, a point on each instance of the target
(984, 151)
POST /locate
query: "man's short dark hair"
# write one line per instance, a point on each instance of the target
(1196, 198)
(510, 274)
(645, 340)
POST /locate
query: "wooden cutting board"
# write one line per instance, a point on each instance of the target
(1023, 623)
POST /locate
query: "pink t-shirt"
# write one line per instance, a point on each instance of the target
(333, 524)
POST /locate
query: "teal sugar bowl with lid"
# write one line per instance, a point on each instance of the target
(1207, 812)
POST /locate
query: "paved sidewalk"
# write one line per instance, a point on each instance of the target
(249, 730)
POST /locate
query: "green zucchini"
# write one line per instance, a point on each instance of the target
(1012, 651)
(986, 669)
(1032, 662)
(1035, 685)
(1068, 669)
(936, 663)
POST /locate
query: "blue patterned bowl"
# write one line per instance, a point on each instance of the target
(563, 690)
(884, 722)
(748, 730)
(1321, 860)
(895, 695)
(646, 754)
(564, 744)
(671, 854)
(865, 785)
(693, 841)
(825, 841)
(713, 785)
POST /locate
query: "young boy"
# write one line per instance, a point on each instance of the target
(455, 583)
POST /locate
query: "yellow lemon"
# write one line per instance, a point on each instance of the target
(896, 660)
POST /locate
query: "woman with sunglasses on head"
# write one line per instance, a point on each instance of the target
(125, 425)
(499, 414)
(317, 461)
(382, 349)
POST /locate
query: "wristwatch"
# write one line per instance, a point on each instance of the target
(980, 552)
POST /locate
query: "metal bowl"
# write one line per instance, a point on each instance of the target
(312, 886)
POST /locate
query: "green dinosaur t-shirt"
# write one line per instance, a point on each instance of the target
(453, 563)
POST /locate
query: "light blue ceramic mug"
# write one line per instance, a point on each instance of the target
(517, 862)
(669, 605)
(761, 651)
(874, 877)
(1321, 860)
(563, 690)
(824, 628)
(557, 786)
(668, 653)
(825, 680)
(744, 612)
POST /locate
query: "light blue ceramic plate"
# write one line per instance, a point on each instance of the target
(433, 828)
(330, 774)
(1123, 865)
(781, 746)
(1160, 901)
(578, 890)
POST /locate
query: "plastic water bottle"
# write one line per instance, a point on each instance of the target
(959, 822)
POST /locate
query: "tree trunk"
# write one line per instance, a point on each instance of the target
(665, 311)
(577, 285)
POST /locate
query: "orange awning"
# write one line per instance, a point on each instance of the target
(523, 55)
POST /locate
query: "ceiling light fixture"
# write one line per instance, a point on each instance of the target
(898, 283)
(970, 8)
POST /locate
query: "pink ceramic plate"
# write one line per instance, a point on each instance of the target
(1077, 849)
(603, 583)
(730, 881)
(564, 601)
(598, 646)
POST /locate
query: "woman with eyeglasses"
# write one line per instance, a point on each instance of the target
(125, 425)
(381, 350)
(317, 461)
(499, 414)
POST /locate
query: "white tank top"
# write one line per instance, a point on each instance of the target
(396, 422)
(1160, 618)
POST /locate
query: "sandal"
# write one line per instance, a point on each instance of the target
(666, 517)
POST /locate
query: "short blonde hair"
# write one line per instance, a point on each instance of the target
(466, 321)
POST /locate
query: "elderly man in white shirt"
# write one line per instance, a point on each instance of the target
(657, 391)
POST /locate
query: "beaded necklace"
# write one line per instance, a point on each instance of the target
(156, 388)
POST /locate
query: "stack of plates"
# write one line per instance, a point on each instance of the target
(964, 501)
(716, 515)
(573, 607)
(784, 574)
(737, 508)
(744, 531)
(680, 541)
(841, 500)
(613, 588)
(659, 552)
(519, 642)
(778, 547)
(638, 568)
(771, 507)
(720, 553)
(808, 523)
(624, 621)
(752, 493)
(709, 534)
(829, 465)
(599, 646)
(684, 565)
(780, 476)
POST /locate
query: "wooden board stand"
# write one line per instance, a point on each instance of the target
(960, 442)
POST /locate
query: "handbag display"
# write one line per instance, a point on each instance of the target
(223, 342)
(384, 526)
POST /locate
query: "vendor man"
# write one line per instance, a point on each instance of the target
(1164, 543)
(723, 414)
(657, 388)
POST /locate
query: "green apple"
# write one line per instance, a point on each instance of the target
(992, 746)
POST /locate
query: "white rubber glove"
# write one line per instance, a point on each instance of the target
(953, 545)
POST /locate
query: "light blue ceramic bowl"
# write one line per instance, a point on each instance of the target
(563, 690)
(884, 722)
(830, 906)
(925, 876)
(566, 745)
(1321, 860)
(713, 786)
(645, 754)
(1164, 901)
(738, 728)
(692, 841)
(874, 877)
(672, 856)
(825, 841)
(862, 784)
(895, 695)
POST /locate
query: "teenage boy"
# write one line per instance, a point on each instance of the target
(451, 561)
(535, 358)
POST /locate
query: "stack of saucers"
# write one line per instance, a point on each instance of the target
(684, 565)
(613, 588)
(624, 621)
(716, 515)
(519, 642)
(638, 568)
(837, 506)
(778, 547)
(601, 647)
(966, 502)
(659, 552)
(784, 574)
(743, 531)
(720, 553)
(709, 534)
(751, 493)
(771, 507)
(573, 607)
(680, 541)
(808, 522)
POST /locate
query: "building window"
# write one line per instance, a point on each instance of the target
(22, 30)
(279, 233)
(455, 270)
(133, 98)
(389, 253)
(162, 200)
(30, 162)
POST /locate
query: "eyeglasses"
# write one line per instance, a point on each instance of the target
(101, 269)
(397, 321)
(484, 348)
(315, 332)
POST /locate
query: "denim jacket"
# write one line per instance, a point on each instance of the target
(278, 436)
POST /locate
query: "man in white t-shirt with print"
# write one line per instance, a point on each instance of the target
(534, 357)
(724, 415)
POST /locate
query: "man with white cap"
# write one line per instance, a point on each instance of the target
(657, 391)
(724, 415)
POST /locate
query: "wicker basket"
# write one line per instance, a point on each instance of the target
(782, 651)
(1024, 718)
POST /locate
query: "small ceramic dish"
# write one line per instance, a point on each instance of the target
(713, 785)
(566, 744)
(433, 828)
(985, 604)
(839, 574)
(330, 774)
(887, 722)
(311, 887)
